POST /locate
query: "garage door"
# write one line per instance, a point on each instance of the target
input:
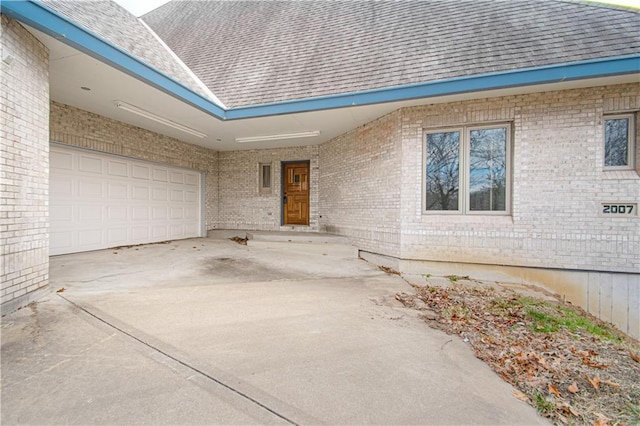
(99, 201)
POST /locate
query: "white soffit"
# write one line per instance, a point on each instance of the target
(71, 69)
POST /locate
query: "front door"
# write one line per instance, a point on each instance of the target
(296, 193)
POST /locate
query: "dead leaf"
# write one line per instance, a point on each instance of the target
(553, 390)
(573, 387)
(634, 356)
(595, 382)
(612, 384)
(520, 395)
(61, 290)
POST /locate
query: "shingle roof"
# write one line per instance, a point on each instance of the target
(116, 25)
(253, 52)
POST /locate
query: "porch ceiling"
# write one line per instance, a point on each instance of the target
(71, 69)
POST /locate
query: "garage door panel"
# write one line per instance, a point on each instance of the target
(117, 191)
(90, 164)
(140, 233)
(101, 200)
(176, 231)
(159, 194)
(61, 160)
(140, 193)
(176, 213)
(61, 241)
(140, 213)
(160, 233)
(159, 213)
(192, 179)
(90, 189)
(61, 214)
(89, 238)
(140, 171)
(160, 174)
(117, 213)
(90, 213)
(118, 168)
(62, 186)
(117, 236)
(190, 213)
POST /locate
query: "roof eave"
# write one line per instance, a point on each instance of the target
(526, 77)
(50, 22)
(43, 18)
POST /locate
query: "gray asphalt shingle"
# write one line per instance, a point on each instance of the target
(253, 52)
(116, 25)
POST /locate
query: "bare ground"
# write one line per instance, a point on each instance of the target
(572, 367)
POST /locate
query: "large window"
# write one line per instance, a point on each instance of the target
(467, 170)
(618, 141)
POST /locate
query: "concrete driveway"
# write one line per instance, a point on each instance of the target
(207, 331)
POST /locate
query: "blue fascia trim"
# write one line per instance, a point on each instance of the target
(43, 18)
(501, 80)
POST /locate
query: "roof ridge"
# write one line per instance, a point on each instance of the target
(188, 70)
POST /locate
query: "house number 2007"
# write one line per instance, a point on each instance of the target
(626, 209)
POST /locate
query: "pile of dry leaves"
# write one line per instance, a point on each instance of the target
(571, 367)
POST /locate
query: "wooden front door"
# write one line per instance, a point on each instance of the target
(296, 193)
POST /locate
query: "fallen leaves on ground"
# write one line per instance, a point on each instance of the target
(573, 368)
(240, 240)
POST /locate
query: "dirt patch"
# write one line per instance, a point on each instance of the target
(570, 366)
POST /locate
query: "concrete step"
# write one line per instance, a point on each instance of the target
(296, 237)
(312, 248)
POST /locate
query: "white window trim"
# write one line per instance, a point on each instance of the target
(463, 175)
(631, 141)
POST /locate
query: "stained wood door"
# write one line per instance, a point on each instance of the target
(296, 194)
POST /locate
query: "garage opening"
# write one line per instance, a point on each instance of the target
(99, 200)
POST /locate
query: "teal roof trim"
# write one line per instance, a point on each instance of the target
(43, 18)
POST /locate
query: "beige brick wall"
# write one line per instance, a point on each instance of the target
(360, 181)
(76, 127)
(24, 167)
(558, 186)
(241, 204)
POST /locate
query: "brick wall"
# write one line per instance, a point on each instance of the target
(557, 188)
(73, 126)
(241, 204)
(360, 182)
(24, 167)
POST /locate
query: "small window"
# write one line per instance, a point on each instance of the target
(264, 173)
(618, 142)
(467, 170)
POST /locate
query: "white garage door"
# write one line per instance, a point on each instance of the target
(99, 201)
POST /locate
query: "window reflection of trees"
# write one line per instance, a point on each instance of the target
(443, 151)
(487, 169)
(616, 147)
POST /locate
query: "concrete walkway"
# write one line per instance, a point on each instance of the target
(207, 331)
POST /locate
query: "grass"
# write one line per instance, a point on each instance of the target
(549, 317)
(541, 403)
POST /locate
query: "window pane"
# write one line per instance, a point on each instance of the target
(488, 170)
(266, 176)
(616, 142)
(443, 169)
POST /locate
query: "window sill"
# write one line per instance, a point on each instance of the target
(469, 218)
(616, 174)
